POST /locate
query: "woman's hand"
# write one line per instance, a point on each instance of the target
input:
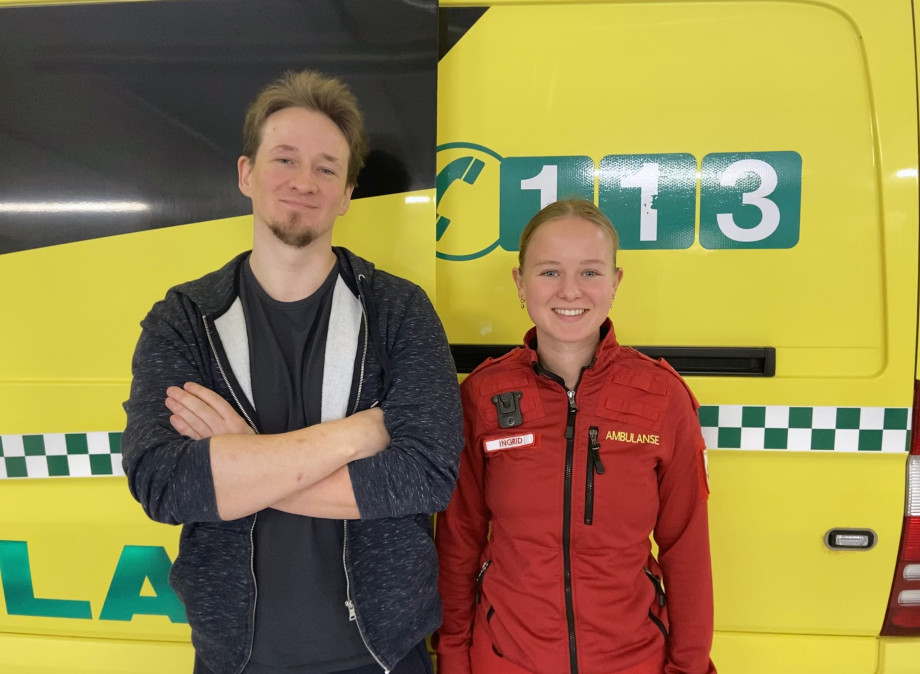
(198, 413)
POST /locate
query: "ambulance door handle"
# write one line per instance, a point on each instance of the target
(850, 539)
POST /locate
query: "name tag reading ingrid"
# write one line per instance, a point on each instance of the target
(510, 442)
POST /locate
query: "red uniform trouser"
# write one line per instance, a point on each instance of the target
(484, 660)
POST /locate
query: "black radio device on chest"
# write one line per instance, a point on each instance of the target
(508, 406)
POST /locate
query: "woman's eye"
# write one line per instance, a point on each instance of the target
(591, 272)
(549, 272)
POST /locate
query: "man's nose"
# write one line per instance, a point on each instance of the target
(304, 180)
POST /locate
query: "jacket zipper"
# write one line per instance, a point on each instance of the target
(349, 602)
(595, 465)
(252, 528)
(662, 600)
(567, 526)
(659, 590)
(479, 577)
(567, 509)
(567, 506)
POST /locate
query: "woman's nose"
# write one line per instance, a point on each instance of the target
(569, 287)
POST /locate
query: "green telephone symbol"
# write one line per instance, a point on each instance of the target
(466, 169)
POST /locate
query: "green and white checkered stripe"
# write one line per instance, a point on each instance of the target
(776, 427)
(832, 429)
(60, 455)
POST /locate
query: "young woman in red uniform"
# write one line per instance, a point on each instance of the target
(577, 450)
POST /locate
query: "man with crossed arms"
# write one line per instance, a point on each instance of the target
(311, 423)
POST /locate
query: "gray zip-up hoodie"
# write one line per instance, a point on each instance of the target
(383, 332)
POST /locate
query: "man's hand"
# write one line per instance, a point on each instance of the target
(303, 472)
(200, 413)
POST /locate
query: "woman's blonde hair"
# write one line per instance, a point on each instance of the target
(580, 208)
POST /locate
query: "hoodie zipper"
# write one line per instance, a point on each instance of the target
(223, 374)
(349, 602)
(364, 353)
(595, 465)
(252, 528)
(352, 609)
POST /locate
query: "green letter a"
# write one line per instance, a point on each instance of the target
(124, 600)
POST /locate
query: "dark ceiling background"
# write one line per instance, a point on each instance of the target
(138, 107)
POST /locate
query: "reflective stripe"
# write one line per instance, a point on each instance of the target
(60, 455)
(752, 427)
(783, 427)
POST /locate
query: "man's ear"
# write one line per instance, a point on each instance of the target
(346, 199)
(244, 169)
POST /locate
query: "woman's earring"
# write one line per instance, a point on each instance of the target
(522, 302)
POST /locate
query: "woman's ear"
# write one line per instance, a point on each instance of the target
(518, 281)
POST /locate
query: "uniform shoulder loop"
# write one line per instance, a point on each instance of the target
(490, 362)
(655, 379)
(661, 362)
(630, 352)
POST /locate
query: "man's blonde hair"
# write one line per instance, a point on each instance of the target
(313, 91)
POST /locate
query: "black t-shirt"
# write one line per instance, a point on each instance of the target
(301, 621)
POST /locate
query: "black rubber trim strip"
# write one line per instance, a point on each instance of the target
(718, 361)
(453, 24)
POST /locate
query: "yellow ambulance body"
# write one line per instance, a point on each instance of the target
(760, 160)
(807, 113)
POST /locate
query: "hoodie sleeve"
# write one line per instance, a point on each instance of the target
(169, 474)
(421, 408)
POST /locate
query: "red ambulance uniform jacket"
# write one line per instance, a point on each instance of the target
(565, 582)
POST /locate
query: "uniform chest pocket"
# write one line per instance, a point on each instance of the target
(498, 391)
(620, 484)
(629, 425)
(623, 450)
(521, 478)
(633, 399)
